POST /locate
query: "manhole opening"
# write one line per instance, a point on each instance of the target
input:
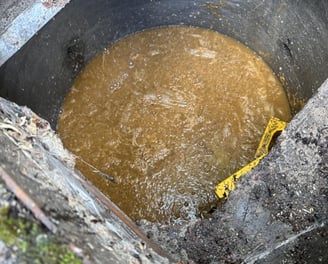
(41, 72)
(161, 116)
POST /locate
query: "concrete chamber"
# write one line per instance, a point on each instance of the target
(291, 37)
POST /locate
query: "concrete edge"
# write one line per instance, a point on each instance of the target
(26, 25)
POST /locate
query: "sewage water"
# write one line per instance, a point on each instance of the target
(169, 112)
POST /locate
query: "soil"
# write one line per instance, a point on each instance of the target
(277, 214)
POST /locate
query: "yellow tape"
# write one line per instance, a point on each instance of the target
(274, 125)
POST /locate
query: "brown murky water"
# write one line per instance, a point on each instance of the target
(169, 112)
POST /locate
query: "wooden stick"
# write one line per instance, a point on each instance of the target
(22, 196)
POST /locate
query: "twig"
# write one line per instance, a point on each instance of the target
(26, 200)
(100, 173)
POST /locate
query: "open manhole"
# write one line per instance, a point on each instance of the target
(290, 37)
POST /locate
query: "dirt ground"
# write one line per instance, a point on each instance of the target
(277, 214)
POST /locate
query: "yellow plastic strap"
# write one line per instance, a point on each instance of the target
(274, 125)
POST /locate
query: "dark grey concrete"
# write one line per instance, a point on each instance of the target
(292, 36)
